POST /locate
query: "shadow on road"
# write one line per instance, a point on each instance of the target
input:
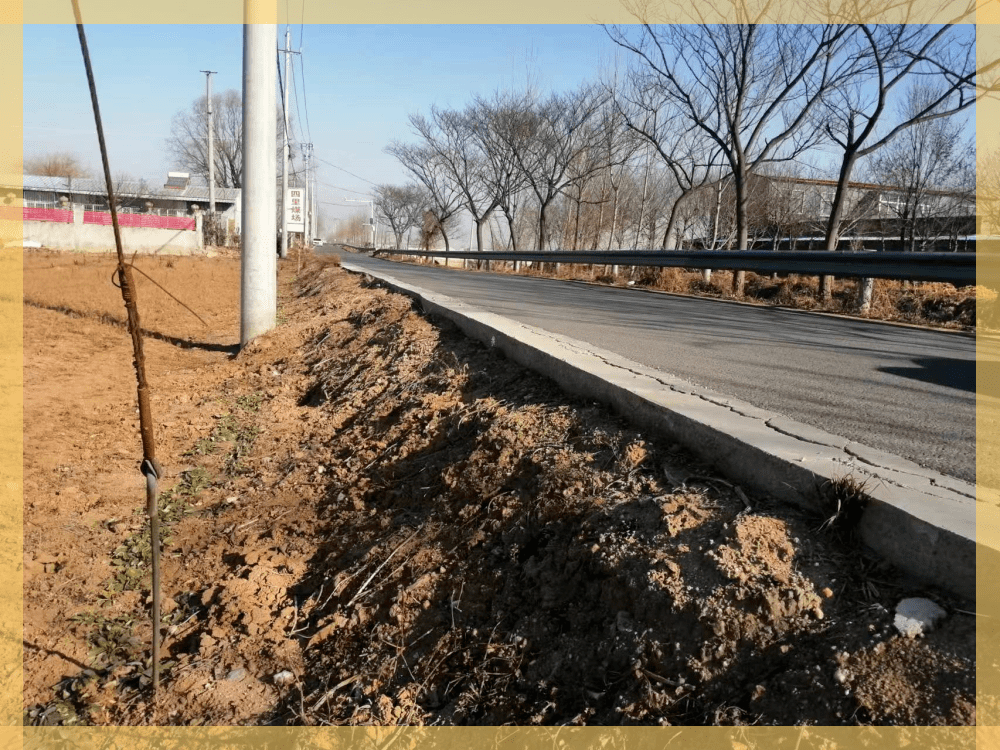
(951, 373)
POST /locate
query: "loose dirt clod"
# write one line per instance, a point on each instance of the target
(418, 531)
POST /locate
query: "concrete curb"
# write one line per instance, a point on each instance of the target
(921, 521)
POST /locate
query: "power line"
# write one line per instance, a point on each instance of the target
(331, 164)
(281, 88)
(305, 99)
(305, 96)
(338, 187)
(295, 91)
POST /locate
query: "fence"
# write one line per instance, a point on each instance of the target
(81, 229)
(150, 221)
(956, 268)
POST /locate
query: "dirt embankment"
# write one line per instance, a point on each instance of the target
(375, 520)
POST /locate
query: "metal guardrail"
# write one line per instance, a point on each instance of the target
(956, 268)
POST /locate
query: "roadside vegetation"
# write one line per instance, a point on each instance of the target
(921, 303)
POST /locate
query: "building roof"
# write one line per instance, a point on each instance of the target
(131, 188)
(865, 186)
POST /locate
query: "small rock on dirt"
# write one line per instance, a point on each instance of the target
(284, 677)
(236, 675)
(916, 616)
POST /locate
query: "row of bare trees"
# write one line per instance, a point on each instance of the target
(676, 146)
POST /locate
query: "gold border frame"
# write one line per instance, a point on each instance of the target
(14, 14)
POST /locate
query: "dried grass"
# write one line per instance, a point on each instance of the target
(920, 303)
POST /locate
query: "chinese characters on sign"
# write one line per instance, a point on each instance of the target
(295, 202)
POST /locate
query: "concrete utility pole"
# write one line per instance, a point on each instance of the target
(306, 218)
(211, 144)
(258, 288)
(312, 210)
(285, 149)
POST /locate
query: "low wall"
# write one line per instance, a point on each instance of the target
(91, 230)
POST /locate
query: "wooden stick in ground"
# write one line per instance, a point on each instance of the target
(150, 467)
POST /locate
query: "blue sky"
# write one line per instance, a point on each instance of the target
(361, 84)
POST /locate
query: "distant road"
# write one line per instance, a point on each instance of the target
(904, 390)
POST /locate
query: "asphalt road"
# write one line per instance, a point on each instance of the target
(904, 390)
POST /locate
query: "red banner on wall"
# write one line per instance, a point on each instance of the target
(62, 215)
(148, 221)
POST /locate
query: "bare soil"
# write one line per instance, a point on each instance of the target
(373, 520)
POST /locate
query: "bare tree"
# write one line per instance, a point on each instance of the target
(927, 169)
(713, 217)
(650, 112)
(556, 133)
(61, 164)
(886, 56)
(401, 207)
(355, 228)
(429, 169)
(749, 89)
(451, 135)
(587, 164)
(502, 126)
(188, 140)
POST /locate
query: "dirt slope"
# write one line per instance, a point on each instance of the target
(374, 520)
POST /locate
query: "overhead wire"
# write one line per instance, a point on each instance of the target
(338, 187)
(331, 164)
(305, 107)
(305, 97)
(281, 89)
(298, 109)
(305, 102)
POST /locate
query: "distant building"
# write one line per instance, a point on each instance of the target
(875, 202)
(792, 213)
(73, 213)
(177, 197)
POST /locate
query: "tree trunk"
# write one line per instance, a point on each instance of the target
(742, 231)
(479, 235)
(614, 217)
(835, 220)
(600, 214)
(541, 227)
(668, 238)
(576, 228)
(510, 216)
(642, 203)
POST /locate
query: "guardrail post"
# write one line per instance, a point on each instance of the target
(866, 285)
